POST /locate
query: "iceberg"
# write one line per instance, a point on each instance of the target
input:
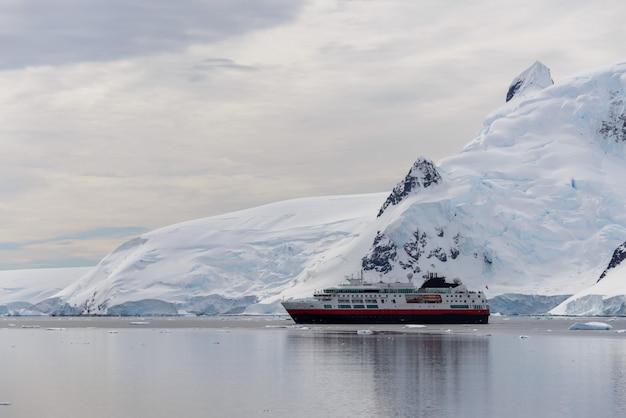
(597, 326)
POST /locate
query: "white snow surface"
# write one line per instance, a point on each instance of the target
(606, 297)
(533, 205)
(36, 285)
(278, 250)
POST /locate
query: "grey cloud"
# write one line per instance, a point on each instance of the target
(34, 32)
(222, 63)
(201, 70)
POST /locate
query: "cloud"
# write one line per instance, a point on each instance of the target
(148, 113)
(210, 64)
(55, 251)
(103, 232)
(68, 31)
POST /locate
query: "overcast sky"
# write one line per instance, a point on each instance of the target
(118, 117)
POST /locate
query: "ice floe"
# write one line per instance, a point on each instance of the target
(600, 326)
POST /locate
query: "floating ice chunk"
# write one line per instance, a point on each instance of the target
(139, 323)
(286, 326)
(364, 331)
(55, 329)
(415, 326)
(5, 403)
(601, 326)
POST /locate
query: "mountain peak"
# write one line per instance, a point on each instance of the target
(535, 77)
(423, 174)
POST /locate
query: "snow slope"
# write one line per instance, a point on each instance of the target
(276, 250)
(606, 297)
(532, 206)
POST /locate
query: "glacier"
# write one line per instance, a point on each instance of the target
(530, 211)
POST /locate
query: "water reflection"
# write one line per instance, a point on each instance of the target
(395, 374)
(557, 377)
(308, 373)
(421, 375)
(617, 381)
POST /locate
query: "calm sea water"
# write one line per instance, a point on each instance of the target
(260, 371)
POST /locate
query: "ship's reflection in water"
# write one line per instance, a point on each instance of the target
(317, 372)
(394, 375)
(447, 375)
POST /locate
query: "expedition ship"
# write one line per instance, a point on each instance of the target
(361, 302)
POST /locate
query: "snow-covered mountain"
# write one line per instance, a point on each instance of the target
(532, 206)
(225, 263)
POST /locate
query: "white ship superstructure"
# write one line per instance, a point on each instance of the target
(359, 301)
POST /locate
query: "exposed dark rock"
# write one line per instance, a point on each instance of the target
(614, 127)
(439, 253)
(380, 256)
(618, 256)
(423, 174)
(513, 88)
